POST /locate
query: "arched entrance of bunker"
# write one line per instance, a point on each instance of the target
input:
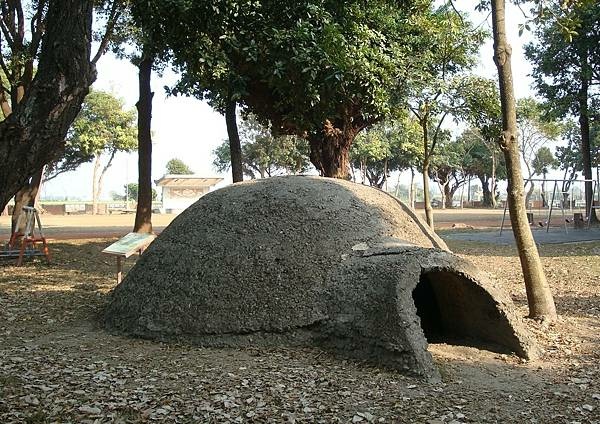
(455, 310)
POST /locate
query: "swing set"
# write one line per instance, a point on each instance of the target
(568, 197)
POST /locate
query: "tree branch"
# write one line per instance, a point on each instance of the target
(115, 13)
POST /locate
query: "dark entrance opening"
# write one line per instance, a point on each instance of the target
(428, 310)
(454, 309)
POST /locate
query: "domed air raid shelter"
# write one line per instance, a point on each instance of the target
(311, 261)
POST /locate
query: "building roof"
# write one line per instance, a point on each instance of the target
(195, 181)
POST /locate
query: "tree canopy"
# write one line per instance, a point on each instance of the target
(178, 167)
(263, 154)
(388, 146)
(320, 69)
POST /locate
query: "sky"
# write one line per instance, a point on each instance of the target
(190, 130)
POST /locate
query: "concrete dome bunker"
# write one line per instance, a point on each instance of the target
(309, 260)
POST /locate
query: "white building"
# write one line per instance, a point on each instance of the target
(180, 191)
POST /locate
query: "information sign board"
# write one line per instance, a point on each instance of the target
(130, 244)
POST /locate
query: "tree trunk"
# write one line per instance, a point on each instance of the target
(425, 170)
(412, 188)
(529, 193)
(493, 186)
(95, 184)
(448, 196)
(330, 150)
(143, 213)
(36, 128)
(539, 296)
(99, 179)
(543, 191)
(584, 128)
(442, 188)
(235, 148)
(426, 196)
(485, 188)
(26, 196)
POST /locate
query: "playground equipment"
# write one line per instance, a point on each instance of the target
(566, 196)
(25, 244)
(595, 201)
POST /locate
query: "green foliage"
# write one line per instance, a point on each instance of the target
(102, 126)
(569, 157)
(178, 167)
(483, 111)
(293, 64)
(535, 130)
(449, 162)
(386, 147)
(131, 193)
(264, 155)
(478, 156)
(563, 66)
(543, 161)
(441, 87)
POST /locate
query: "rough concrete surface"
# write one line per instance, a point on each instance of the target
(308, 260)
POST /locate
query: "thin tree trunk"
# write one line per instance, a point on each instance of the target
(493, 187)
(412, 188)
(469, 193)
(539, 296)
(95, 189)
(143, 213)
(442, 189)
(543, 189)
(426, 196)
(99, 179)
(529, 193)
(584, 128)
(425, 170)
(235, 148)
(385, 173)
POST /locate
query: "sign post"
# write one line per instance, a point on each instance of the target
(127, 246)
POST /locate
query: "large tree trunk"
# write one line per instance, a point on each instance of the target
(36, 128)
(539, 296)
(26, 196)
(143, 213)
(235, 147)
(485, 188)
(330, 150)
(448, 196)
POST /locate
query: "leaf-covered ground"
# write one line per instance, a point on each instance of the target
(58, 365)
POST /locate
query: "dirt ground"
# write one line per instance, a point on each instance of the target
(58, 365)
